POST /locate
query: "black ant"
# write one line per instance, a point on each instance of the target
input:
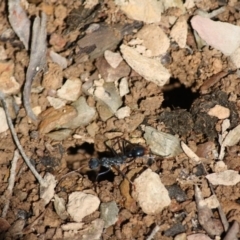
(126, 150)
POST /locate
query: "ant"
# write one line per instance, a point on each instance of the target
(126, 150)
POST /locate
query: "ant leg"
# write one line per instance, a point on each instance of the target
(102, 173)
(111, 149)
(124, 176)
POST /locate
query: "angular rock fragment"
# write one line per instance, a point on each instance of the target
(150, 69)
(150, 193)
(220, 35)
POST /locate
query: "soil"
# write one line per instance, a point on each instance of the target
(178, 108)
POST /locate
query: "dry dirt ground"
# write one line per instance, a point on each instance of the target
(179, 108)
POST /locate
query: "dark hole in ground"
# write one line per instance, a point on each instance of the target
(176, 95)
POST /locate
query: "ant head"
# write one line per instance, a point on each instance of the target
(93, 163)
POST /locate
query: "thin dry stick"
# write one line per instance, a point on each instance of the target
(197, 160)
(37, 60)
(19, 146)
(11, 181)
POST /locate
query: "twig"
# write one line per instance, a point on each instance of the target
(15, 137)
(11, 181)
(37, 60)
(153, 233)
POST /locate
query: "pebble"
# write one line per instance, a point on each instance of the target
(148, 11)
(123, 112)
(113, 58)
(150, 69)
(3, 121)
(219, 111)
(154, 39)
(81, 204)
(56, 102)
(84, 115)
(56, 118)
(220, 35)
(162, 144)
(109, 213)
(179, 32)
(108, 95)
(71, 90)
(150, 193)
(123, 87)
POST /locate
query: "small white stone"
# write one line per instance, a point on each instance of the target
(150, 193)
(123, 87)
(123, 112)
(56, 102)
(3, 121)
(154, 39)
(71, 90)
(37, 110)
(81, 204)
(179, 32)
(113, 59)
(151, 69)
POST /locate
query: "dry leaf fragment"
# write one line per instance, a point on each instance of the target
(226, 178)
(205, 216)
(19, 21)
(188, 151)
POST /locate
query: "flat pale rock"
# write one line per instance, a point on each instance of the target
(220, 35)
(150, 193)
(179, 32)
(81, 204)
(55, 118)
(161, 143)
(148, 11)
(150, 69)
(3, 121)
(154, 39)
(225, 178)
(108, 95)
(84, 116)
(123, 87)
(71, 90)
(56, 102)
(123, 112)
